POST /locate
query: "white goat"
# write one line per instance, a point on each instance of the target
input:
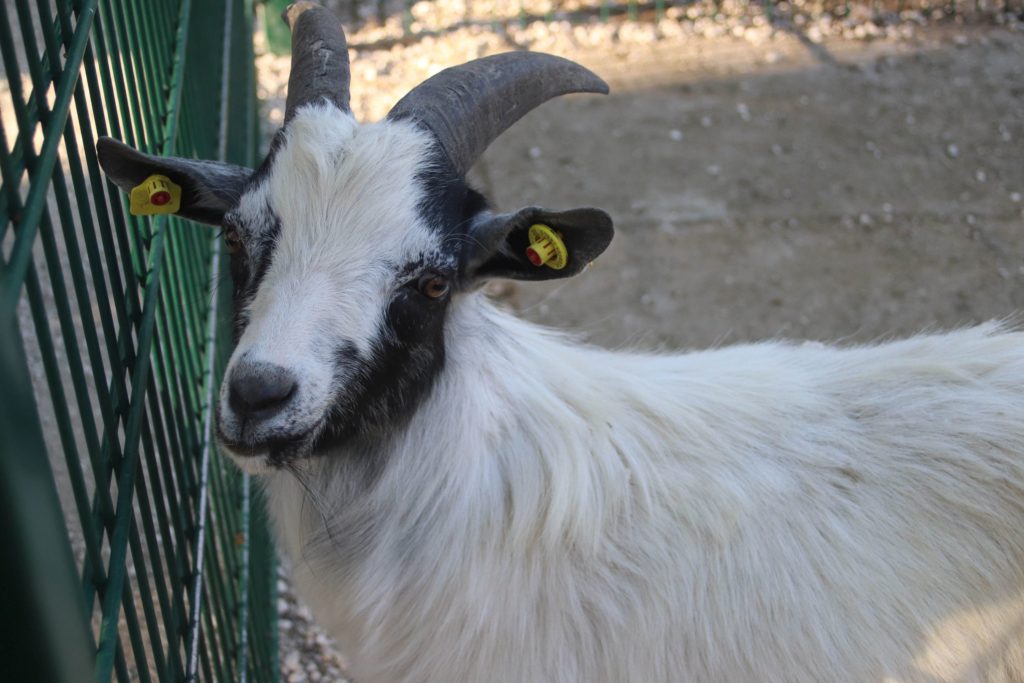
(491, 501)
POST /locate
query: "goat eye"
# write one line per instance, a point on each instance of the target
(433, 286)
(232, 240)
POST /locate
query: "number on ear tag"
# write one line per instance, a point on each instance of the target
(156, 195)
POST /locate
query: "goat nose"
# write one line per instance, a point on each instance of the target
(260, 390)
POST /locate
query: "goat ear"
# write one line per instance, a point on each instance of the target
(501, 244)
(208, 188)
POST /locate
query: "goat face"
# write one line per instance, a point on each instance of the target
(342, 282)
(350, 243)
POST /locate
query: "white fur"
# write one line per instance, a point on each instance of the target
(554, 512)
(758, 513)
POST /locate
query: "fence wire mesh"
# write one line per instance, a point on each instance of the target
(132, 549)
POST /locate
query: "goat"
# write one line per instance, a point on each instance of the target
(467, 497)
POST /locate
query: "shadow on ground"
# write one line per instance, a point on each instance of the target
(872, 192)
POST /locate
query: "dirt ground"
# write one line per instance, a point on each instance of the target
(842, 191)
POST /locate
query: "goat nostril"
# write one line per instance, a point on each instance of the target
(260, 388)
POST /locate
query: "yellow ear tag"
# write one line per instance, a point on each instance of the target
(156, 195)
(546, 248)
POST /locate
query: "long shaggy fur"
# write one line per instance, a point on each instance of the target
(769, 512)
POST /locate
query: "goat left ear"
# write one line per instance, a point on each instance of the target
(500, 245)
(208, 188)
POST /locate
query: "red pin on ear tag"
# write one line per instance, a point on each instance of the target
(156, 195)
(546, 248)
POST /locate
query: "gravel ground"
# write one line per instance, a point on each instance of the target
(306, 653)
(390, 66)
(814, 177)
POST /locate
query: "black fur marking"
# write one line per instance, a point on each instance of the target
(249, 265)
(263, 172)
(378, 393)
(449, 205)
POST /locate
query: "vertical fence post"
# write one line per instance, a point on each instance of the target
(45, 633)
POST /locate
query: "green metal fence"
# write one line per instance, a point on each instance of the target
(130, 549)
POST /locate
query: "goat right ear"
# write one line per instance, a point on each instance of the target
(208, 188)
(501, 245)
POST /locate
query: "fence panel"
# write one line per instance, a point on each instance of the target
(131, 548)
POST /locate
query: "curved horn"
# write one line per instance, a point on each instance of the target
(466, 107)
(319, 58)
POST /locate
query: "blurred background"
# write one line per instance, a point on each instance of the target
(835, 171)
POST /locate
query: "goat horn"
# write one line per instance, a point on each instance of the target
(466, 107)
(319, 58)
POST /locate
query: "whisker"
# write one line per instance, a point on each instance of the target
(313, 497)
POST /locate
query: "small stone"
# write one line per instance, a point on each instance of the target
(952, 151)
(1015, 197)
(714, 169)
(676, 134)
(980, 175)
(291, 661)
(743, 110)
(706, 121)
(777, 150)
(865, 219)
(535, 152)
